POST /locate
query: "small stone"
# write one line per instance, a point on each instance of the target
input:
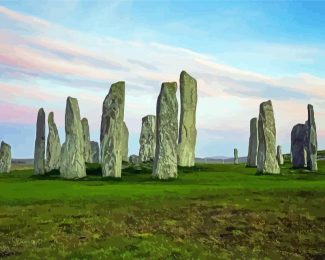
(39, 152)
(236, 156)
(299, 145)
(279, 155)
(134, 159)
(5, 158)
(147, 138)
(165, 162)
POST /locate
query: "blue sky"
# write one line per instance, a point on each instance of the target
(241, 52)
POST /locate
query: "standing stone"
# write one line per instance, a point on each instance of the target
(299, 145)
(112, 128)
(72, 161)
(147, 138)
(5, 158)
(165, 162)
(53, 148)
(266, 158)
(39, 152)
(187, 129)
(253, 143)
(86, 137)
(279, 155)
(134, 159)
(312, 141)
(236, 156)
(125, 143)
(94, 152)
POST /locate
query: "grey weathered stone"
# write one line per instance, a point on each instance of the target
(86, 137)
(236, 156)
(187, 128)
(299, 145)
(94, 152)
(266, 158)
(279, 155)
(148, 138)
(165, 162)
(253, 143)
(72, 161)
(53, 148)
(134, 159)
(312, 140)
(111, 131)
(39, 152)
(125, 143)
(5, 158)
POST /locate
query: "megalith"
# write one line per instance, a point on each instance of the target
(94, 152)
(72, 161)
(5, 157)
(312, 140)
(165, 162)
(266, 157)
(279, 155)
(86, 137)
(125, 143)
(39, 152)
(187, 125)
(236, 161)
(299, 145)
(147, 138)
(253, 143)
(53, 147)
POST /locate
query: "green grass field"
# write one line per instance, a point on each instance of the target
(209, 212)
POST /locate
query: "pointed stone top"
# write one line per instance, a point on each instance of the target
(185, 75)
(50, 118)
(148, 116)
(254, 119)
(84, 120)
(5, 145)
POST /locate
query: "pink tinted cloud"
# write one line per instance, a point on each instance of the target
(18, 114)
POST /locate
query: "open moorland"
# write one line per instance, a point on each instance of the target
(212, 211)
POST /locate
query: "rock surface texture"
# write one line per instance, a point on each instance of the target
(39, 152)
(299, 145)
(86, 137)
(187, 127)
(134, 159)
(279, 155)
(94, 152)
(266, 158)
(253, 143)
(125, 143)
(236, 156)
(165, 162)
(5, 158)
(312, 140)
(112, 130)
(148, 138)
(53, 148)
(72, 161)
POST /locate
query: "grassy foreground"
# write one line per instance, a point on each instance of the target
(209, 212)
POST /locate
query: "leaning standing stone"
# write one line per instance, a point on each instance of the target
(86, 137)
(236, 156)
(112, 127)
(187, 129)
(39, 152)
(148, 138)
(279, 155)
(53, 148)
(94, 152)
(125, 143)
(266, 158)
(72, 162)
(312, 141)
(299, 145)
(165, 162)
(253, 143)
(5, 158)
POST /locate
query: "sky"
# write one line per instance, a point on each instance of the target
(241, 53)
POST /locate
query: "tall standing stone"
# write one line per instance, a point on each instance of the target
(5, 158)
(253, 143)
(312, 140)
(165, 162)
(94, 152)
(147, 138)
(299, 145)
(236, 156)
(86, 137)
(279, 155)
(266, 158)
(111, 131)
(39, 152)
(72, 161)
(187, 128)
(53, 148)
(125, 143)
